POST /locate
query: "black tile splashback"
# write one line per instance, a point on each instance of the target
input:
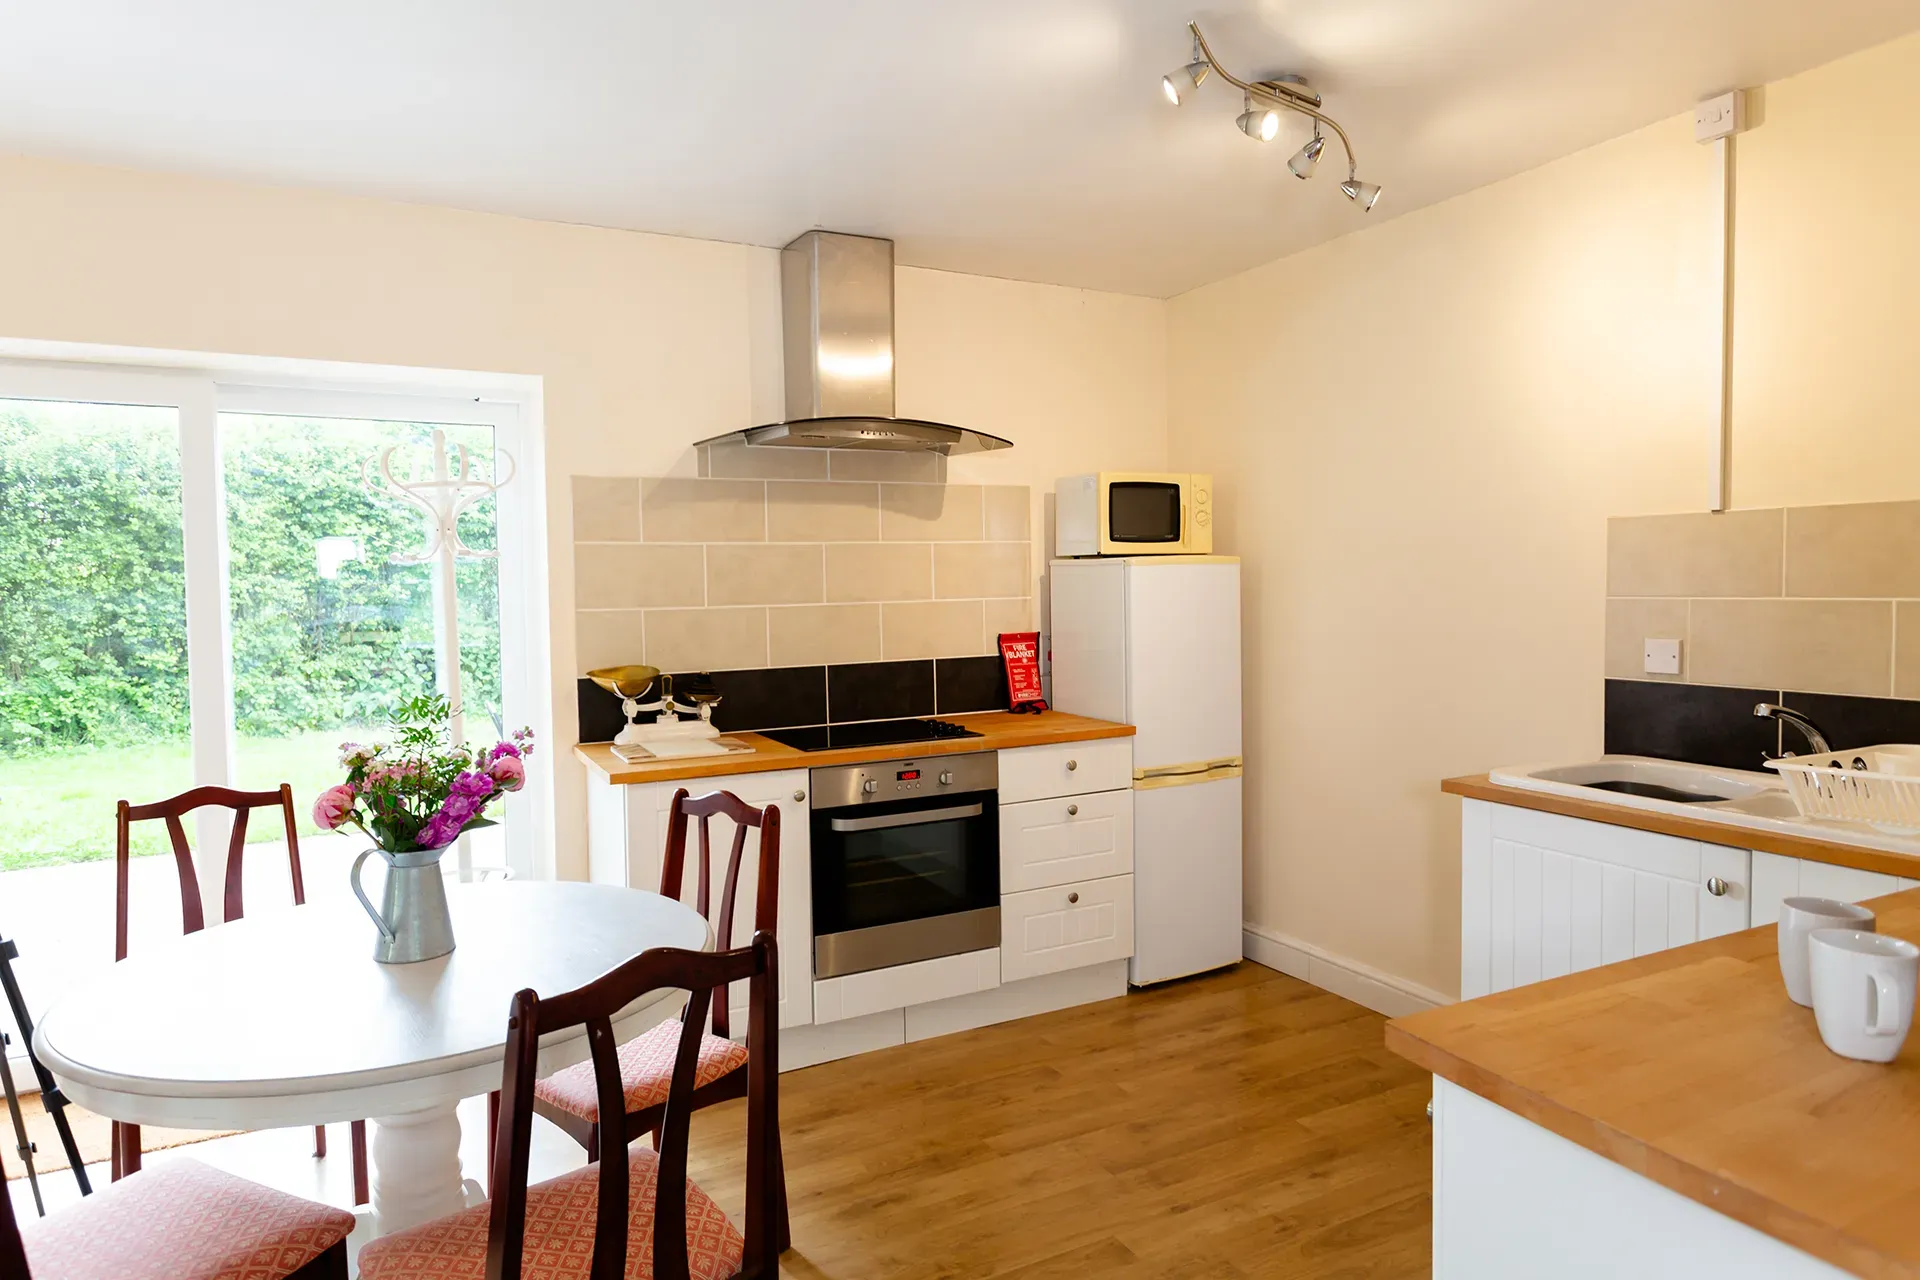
(792, 697)
(969, 684)
(1702, 724)
(879, 690)
(1852, 722)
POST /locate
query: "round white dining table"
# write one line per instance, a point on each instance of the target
(285, 1019)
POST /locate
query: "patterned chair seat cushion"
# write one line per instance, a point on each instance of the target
(646, 1072)
(559, 1243)
(182, 1220)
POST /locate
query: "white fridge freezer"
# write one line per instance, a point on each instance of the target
(1154, 641)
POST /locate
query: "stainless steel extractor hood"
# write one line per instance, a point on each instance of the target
(836, 302)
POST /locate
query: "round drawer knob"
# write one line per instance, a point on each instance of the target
(1073, 897)
(1072, 765)
(1072, 809)
(1717, 887)
(799, 796)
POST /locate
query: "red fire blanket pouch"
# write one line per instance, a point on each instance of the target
(1020, 651)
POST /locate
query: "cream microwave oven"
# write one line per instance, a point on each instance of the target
(1133, 513)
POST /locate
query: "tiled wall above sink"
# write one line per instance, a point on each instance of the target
(809, 566)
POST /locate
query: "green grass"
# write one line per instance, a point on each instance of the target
(57, 806)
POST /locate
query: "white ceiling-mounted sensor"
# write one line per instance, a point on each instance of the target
(1720, 117)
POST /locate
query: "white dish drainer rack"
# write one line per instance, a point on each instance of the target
(1878, 786)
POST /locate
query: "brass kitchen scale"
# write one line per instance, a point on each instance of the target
(668, 736)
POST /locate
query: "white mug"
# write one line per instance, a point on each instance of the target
(1863, 986)
(1800, 917)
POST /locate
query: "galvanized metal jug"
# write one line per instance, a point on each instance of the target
(413, 920)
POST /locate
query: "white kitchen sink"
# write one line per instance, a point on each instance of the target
(1737, 797)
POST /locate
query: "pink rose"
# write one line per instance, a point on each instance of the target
(333, 807)
(508, 772)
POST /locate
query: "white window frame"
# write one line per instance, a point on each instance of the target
(199, 397)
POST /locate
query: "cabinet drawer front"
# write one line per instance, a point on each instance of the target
(1066, 769)
(1049, 930)
(1050, 842)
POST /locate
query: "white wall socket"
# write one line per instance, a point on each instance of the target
(1663, 658)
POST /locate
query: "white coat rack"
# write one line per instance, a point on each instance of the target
(441, 500)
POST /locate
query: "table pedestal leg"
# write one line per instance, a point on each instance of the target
(416, 1168)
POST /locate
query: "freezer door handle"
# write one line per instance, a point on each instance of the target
(1184, 775)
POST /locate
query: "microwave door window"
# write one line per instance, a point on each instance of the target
(1140, 511)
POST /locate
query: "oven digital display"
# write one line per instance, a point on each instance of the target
(907, 775)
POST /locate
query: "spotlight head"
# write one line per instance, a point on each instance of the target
(1361, 193)
(1308, 156)
(1178, 84)
(1259, 123)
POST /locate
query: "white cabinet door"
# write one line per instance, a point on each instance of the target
(1050, 842)
(1775, 879)
(794, 923)
(1065, 769)
(1544, 895)
(1065, 927)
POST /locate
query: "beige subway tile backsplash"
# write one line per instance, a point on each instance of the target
(1631, 623)
(969, 570)
(765, 573)
(1008, 508)
(933, 629)
(1816, 646)
(931, 513)
(1007, 615)
(879, 571)
(1906, 649)
(822, 512)
(608, 638)
(744, 462)
(679, 509)
(813, 634)
(1869, 550)
(606, 509)
(862, 464)
(706, 639)
(1734, 553)
(630, 575)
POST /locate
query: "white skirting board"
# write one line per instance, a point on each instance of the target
(1351, 980)
(809, 1046)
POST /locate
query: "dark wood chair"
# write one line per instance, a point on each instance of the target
(569, 1098)
(632, 1203)
(126, 1137)
(180, 1221)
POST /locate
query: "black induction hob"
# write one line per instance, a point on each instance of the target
(870, 733)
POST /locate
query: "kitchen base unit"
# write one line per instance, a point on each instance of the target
(1514, 1201)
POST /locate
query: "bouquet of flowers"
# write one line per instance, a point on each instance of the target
(421, 791)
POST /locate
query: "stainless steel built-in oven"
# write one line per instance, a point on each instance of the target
(906, 861)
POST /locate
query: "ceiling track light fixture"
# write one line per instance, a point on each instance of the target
(1265, 99)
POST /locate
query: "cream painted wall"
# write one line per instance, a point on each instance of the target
(1420, 429)
(645, 343)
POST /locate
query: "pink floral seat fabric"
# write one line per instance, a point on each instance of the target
(559, 1242)
(182, 1220)
(646, 1072)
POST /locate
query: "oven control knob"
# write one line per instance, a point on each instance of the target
(869, 786)
(946, 779)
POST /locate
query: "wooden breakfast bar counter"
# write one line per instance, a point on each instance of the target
(1672, 1115)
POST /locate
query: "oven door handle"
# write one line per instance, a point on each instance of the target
(907, 819)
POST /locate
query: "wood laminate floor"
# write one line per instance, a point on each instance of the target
(1239, 1125)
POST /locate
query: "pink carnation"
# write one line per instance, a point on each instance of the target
(333, 807)
(509, 773)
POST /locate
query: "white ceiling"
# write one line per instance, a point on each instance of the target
(1004, 137)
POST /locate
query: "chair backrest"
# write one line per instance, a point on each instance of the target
(766, 894)
(192, 918)
(13, 1251)
(700, 974)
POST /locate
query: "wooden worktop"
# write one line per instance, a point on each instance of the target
(1692, 1068)
(1001, 729)
(1480, 786)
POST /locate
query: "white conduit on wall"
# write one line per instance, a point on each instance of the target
(1716, 122)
